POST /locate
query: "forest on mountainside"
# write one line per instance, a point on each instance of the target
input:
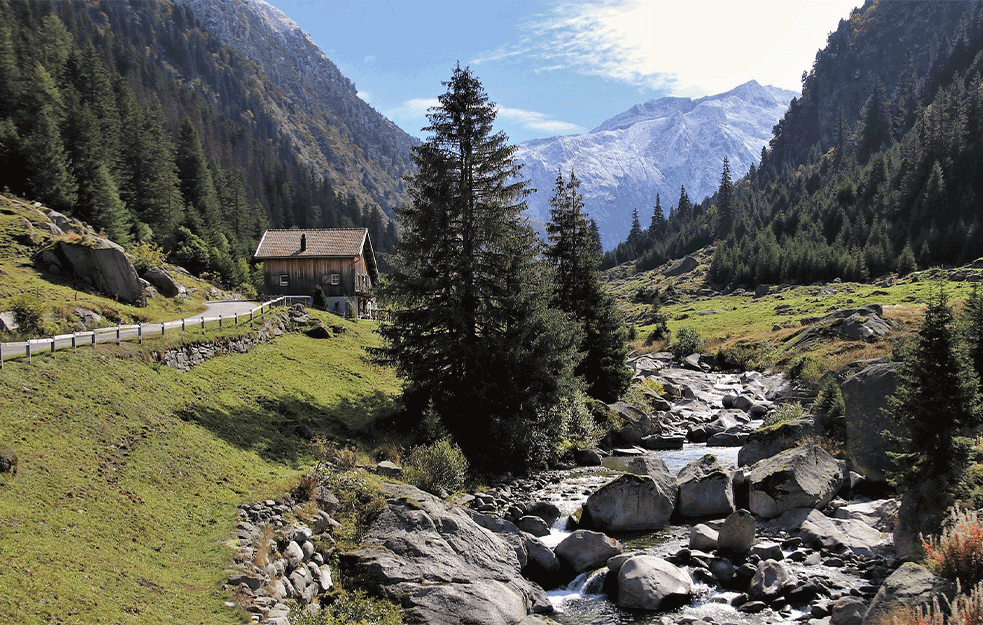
(875, 168)
(132, 118)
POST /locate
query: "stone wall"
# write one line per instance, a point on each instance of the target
(185, 357)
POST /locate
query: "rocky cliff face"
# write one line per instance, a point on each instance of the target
(655, 147)
(360, 151)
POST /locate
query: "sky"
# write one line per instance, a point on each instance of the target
(562, 67)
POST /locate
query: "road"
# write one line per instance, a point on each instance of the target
(226, 311)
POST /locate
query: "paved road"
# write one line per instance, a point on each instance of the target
(213, 310)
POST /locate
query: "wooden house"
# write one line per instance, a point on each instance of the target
(339, 260)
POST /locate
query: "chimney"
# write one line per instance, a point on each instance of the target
(303, 242)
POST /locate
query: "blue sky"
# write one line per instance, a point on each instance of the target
(564, 66)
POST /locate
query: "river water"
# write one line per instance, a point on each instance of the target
(582, 602)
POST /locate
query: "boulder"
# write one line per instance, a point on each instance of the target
(631, 503)
(164, 282)
(101, 263)
(655, 468)
(911, 586)
(768, 441)
(635, 424)
(865, 397)
(545, 510)
(847, 611)
(736, 535)
(660, 442)
(585, 550)
(822, 532)
(880, 514)
(705, 489)
(806, 476)
(586, 458)
(922, 510)
(651, 583)
(8, 323)
(534, 525)
(703, 538)
(860, 327)
(441, 565)
(768, 581)
(684, 265)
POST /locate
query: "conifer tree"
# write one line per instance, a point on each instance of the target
(725, 203)
(937, 400)
(657, 228)
(197, 185)
(578, 292)
(472, 330)
(685, 206)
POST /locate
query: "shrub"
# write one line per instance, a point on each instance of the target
(29, 314)
(438, 466)
(307, 487)
(661, 330)
(829, 403)
(785, 412)
(146, 255)
(958, 553)
(688, 341)
(320, 299)
(354, 608)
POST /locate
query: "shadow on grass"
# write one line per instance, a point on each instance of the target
(279, 429)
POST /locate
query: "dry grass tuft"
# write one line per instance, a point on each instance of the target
(958, 552)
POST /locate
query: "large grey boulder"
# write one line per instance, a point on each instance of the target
(736, 535)
(880, 513)
(768, 441)
(912, 586)
(768, 581)
(685, 264)
(585, 550)
(440, 565)
(803, 477)
(655, 468)
(164, 282)
(635, 424)
(101, 263)
(705, 489)
(651, 583)
(631, 503)
(865, 397)
(822, 532)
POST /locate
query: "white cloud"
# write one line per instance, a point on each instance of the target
(540, 122)
(369, 59)
(415, 108)
(364, 95)
(692, 47)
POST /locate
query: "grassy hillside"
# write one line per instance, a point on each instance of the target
(764, 326)
(130, 472)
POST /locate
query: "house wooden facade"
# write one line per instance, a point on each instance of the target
(339, 260)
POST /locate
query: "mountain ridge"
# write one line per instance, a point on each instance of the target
(655, 148)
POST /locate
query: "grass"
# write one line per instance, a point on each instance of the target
(130, 473)
(757, 328)
(60, 295)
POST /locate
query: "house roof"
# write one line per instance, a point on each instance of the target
(321, 243)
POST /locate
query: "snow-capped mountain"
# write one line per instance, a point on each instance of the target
(655, 147)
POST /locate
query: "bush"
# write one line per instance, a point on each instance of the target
(354, 608)
(29, 314)
(146, 255)
(829, 403)
(958, 553)
(785, 412)
(438, 466)
(320, 299)
(688, 341)
(661, 330)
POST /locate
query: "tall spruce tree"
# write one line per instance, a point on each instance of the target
(578, 292)
(472, 331)
(937, 400)
(725, 203)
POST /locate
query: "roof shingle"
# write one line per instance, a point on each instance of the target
(330, 242)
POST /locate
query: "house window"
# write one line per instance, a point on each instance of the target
(335, 279)
(284, 279)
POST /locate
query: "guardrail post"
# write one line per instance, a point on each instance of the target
(203, 324)
(118, 340)
(140, 333)
(93, 337)
(162, 328)
(183, 325)
(74, 342)
(220, 321)
(235, 319)
(52, 347)
(29, 360)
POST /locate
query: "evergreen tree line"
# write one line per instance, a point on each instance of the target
(863, 190)
(493, 333)
(129, 117)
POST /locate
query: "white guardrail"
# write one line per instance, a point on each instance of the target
(121, 333)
